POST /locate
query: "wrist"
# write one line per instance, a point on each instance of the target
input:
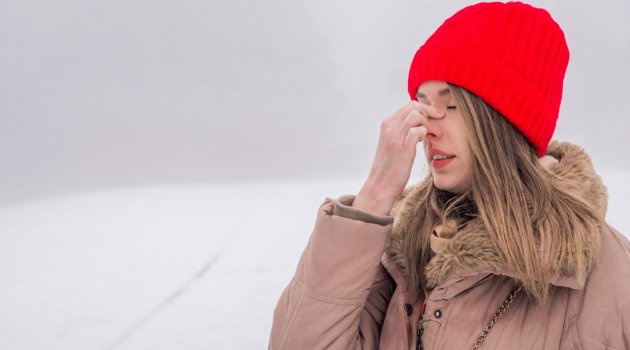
(370, 201)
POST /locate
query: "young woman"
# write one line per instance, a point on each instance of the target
(503, 246)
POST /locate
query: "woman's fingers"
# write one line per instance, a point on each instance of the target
(425, 109)
(415, 135)
(413, 119)
(402, 112)
(408, 116)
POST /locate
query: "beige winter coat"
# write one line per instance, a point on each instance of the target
(347, 292)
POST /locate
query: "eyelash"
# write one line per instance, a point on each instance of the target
(451, 107)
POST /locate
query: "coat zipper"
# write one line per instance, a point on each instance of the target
(420, 328)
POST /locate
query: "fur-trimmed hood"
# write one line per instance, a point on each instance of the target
(471, 248)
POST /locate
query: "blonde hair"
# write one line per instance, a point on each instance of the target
(537, 225)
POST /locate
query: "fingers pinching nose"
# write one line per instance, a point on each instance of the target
(435, 112)
(420, 132)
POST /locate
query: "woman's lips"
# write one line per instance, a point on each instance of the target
(439, 159)
(441, 163)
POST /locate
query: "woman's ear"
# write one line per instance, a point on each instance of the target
(547, 161)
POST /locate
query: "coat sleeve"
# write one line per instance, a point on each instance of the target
(340, 292)
(604, 320)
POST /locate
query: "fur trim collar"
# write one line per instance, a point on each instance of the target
(471, 249)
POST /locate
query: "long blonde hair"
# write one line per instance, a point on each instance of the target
(537, 225)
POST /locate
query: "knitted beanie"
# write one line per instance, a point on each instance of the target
(512, 55)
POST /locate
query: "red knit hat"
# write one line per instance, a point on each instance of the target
(511, 55)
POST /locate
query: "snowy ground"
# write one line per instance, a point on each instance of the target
(189, 267)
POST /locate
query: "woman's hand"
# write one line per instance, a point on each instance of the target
(395, 154)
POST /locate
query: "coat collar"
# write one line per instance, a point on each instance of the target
(470, 251)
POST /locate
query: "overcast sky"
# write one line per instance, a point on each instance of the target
(102, 94)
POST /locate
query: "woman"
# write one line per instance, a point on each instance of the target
(503, 246)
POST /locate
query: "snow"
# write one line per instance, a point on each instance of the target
(167, 267)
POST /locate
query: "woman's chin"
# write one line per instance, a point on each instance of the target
(448, 185)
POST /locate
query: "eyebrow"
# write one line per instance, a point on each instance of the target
(441, 93)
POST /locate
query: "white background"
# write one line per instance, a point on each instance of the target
(161, 163)
(100, 94)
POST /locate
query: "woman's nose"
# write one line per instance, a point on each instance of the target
(433, 127)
